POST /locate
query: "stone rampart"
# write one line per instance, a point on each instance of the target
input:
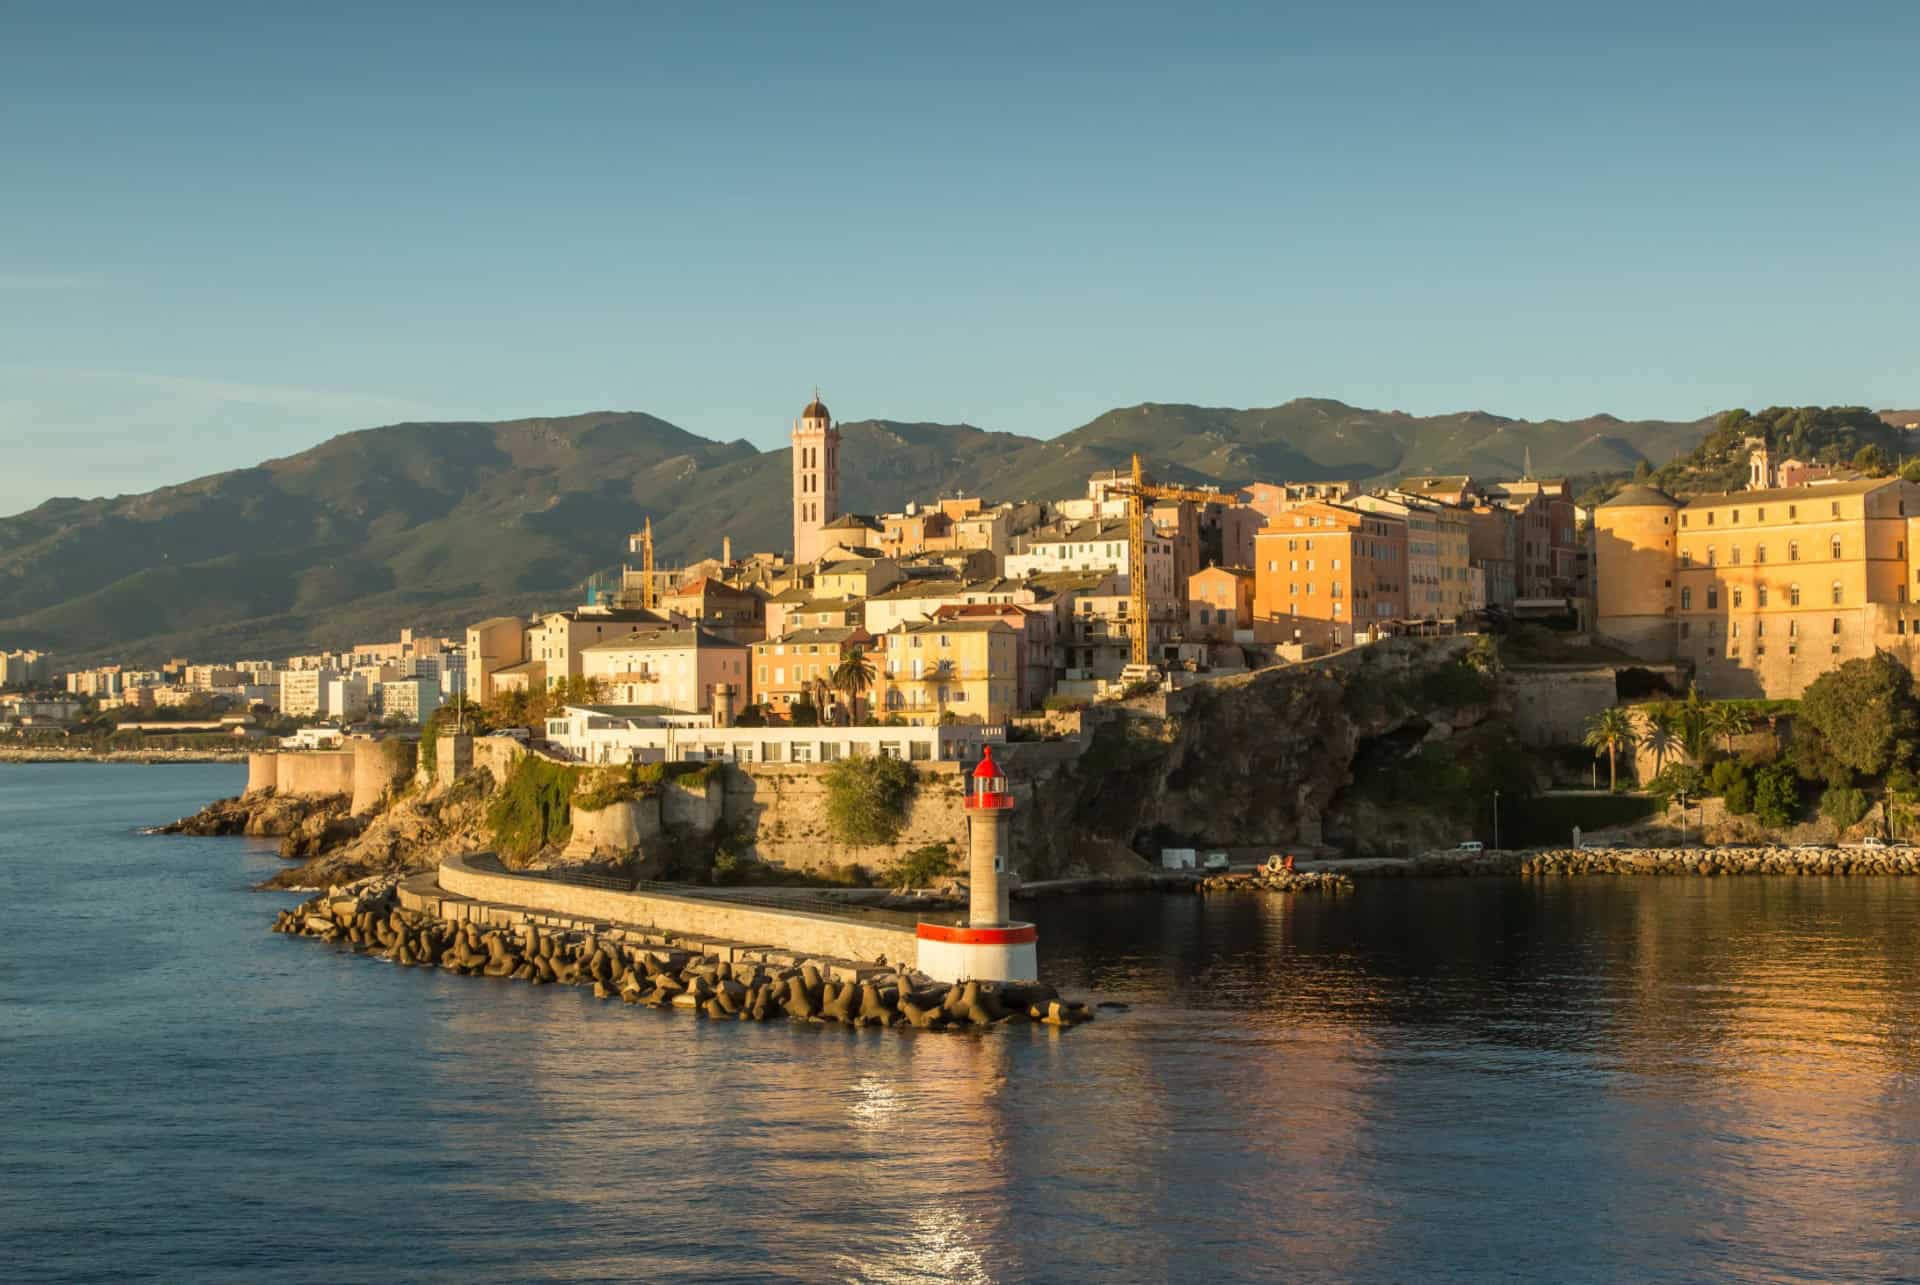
(781, 809)
(314, 772)
(263, 771)
(698, 917)
(380, 767)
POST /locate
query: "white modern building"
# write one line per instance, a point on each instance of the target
(628, 734)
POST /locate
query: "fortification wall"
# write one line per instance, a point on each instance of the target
(700, 917)
(378, 768)
(314, 772)
(263, 771)
(780, 810)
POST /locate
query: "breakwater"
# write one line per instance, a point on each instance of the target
(1716, 861)
(723, 982)
(1277, 881)
(1541, 862)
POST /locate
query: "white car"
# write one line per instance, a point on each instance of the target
(1470, 845)
(1217, 862)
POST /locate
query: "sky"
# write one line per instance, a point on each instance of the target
(228, 232)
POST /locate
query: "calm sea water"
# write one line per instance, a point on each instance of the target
(1596, 1080)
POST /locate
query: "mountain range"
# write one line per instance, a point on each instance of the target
(434, 525)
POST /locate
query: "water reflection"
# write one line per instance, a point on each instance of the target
(1663, 1079)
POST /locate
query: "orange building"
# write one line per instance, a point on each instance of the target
(1325, 574)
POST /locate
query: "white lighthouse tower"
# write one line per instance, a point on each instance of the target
(989, 946)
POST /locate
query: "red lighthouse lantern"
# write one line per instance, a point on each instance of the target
(989, 791)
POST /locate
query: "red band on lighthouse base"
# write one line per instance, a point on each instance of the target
(1009, 935)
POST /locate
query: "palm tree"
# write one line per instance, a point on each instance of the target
(937, 676)
(854, 677)
(1729, 720)
(1657, 733)
(1692, 718)
(1610, 732)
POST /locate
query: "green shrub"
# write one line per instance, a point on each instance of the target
(1676, 779)
(1454, 684)
(867, 798)
(1739, 796)
(1776, 795)
(1844, 806)
(923, 866)
(1060, 704)
(1725, 774)
(533, 807)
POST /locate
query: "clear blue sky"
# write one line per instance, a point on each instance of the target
(230, 231)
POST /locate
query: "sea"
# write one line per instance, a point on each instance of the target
(1598, 1079)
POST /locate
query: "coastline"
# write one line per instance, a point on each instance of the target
(13, 755)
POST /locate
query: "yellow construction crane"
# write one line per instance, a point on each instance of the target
(1138, 492)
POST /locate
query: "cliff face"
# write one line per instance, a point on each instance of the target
(1328, 753)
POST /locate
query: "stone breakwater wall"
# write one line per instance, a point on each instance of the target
(795, 930)
(1718, 861)
(726, 982)
(1642, 861)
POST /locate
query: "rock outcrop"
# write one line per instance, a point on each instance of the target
(261, 814)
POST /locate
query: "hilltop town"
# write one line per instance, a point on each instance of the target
(954, 612)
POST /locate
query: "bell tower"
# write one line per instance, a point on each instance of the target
(816, 479)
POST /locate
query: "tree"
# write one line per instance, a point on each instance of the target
(802, 712)
(1864, 715)
(1728, 720)
(1871, 460)
(1844, 806)
(1610, 732)
(1484, 656)
(936, 677)
(1656, 722)
(1776, 795)
(1692, 720)
(867, 798)
(853, 677)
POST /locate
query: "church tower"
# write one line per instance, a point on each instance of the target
(816, 480)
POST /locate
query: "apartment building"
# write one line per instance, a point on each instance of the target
(1327, 575)
(966, 671)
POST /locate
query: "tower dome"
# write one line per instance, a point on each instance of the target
(816, 409)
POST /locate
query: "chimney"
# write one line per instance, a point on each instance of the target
(726, 550)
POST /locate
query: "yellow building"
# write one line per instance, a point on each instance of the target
(802, 663)
(1761, 591)
(967, 669)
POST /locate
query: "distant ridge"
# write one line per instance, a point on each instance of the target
(437, 524)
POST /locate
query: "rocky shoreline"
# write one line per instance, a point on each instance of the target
(17, 754)
(641, 968)
(1717, 861)
(1277, 881)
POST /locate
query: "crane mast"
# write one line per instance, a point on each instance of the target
(1138, 491)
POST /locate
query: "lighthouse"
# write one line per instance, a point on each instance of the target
(990, 946)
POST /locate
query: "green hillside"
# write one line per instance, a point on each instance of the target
(434, 525)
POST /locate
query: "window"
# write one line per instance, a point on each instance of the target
(1686, 604)
(1793, 595)
(1709, 519)
(1836, 624)
(1712, 559)
(1684, 628)
(1835, 507)
(1836, 546)
(1793, 511)
(1793, 551)
(1738, 597)
(1736, 515)
(1836, 593)
(1713, 598)
(1759, 595)
(1736, 555)
(1759, 553)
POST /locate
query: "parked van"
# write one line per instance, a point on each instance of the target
(1470, 845)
